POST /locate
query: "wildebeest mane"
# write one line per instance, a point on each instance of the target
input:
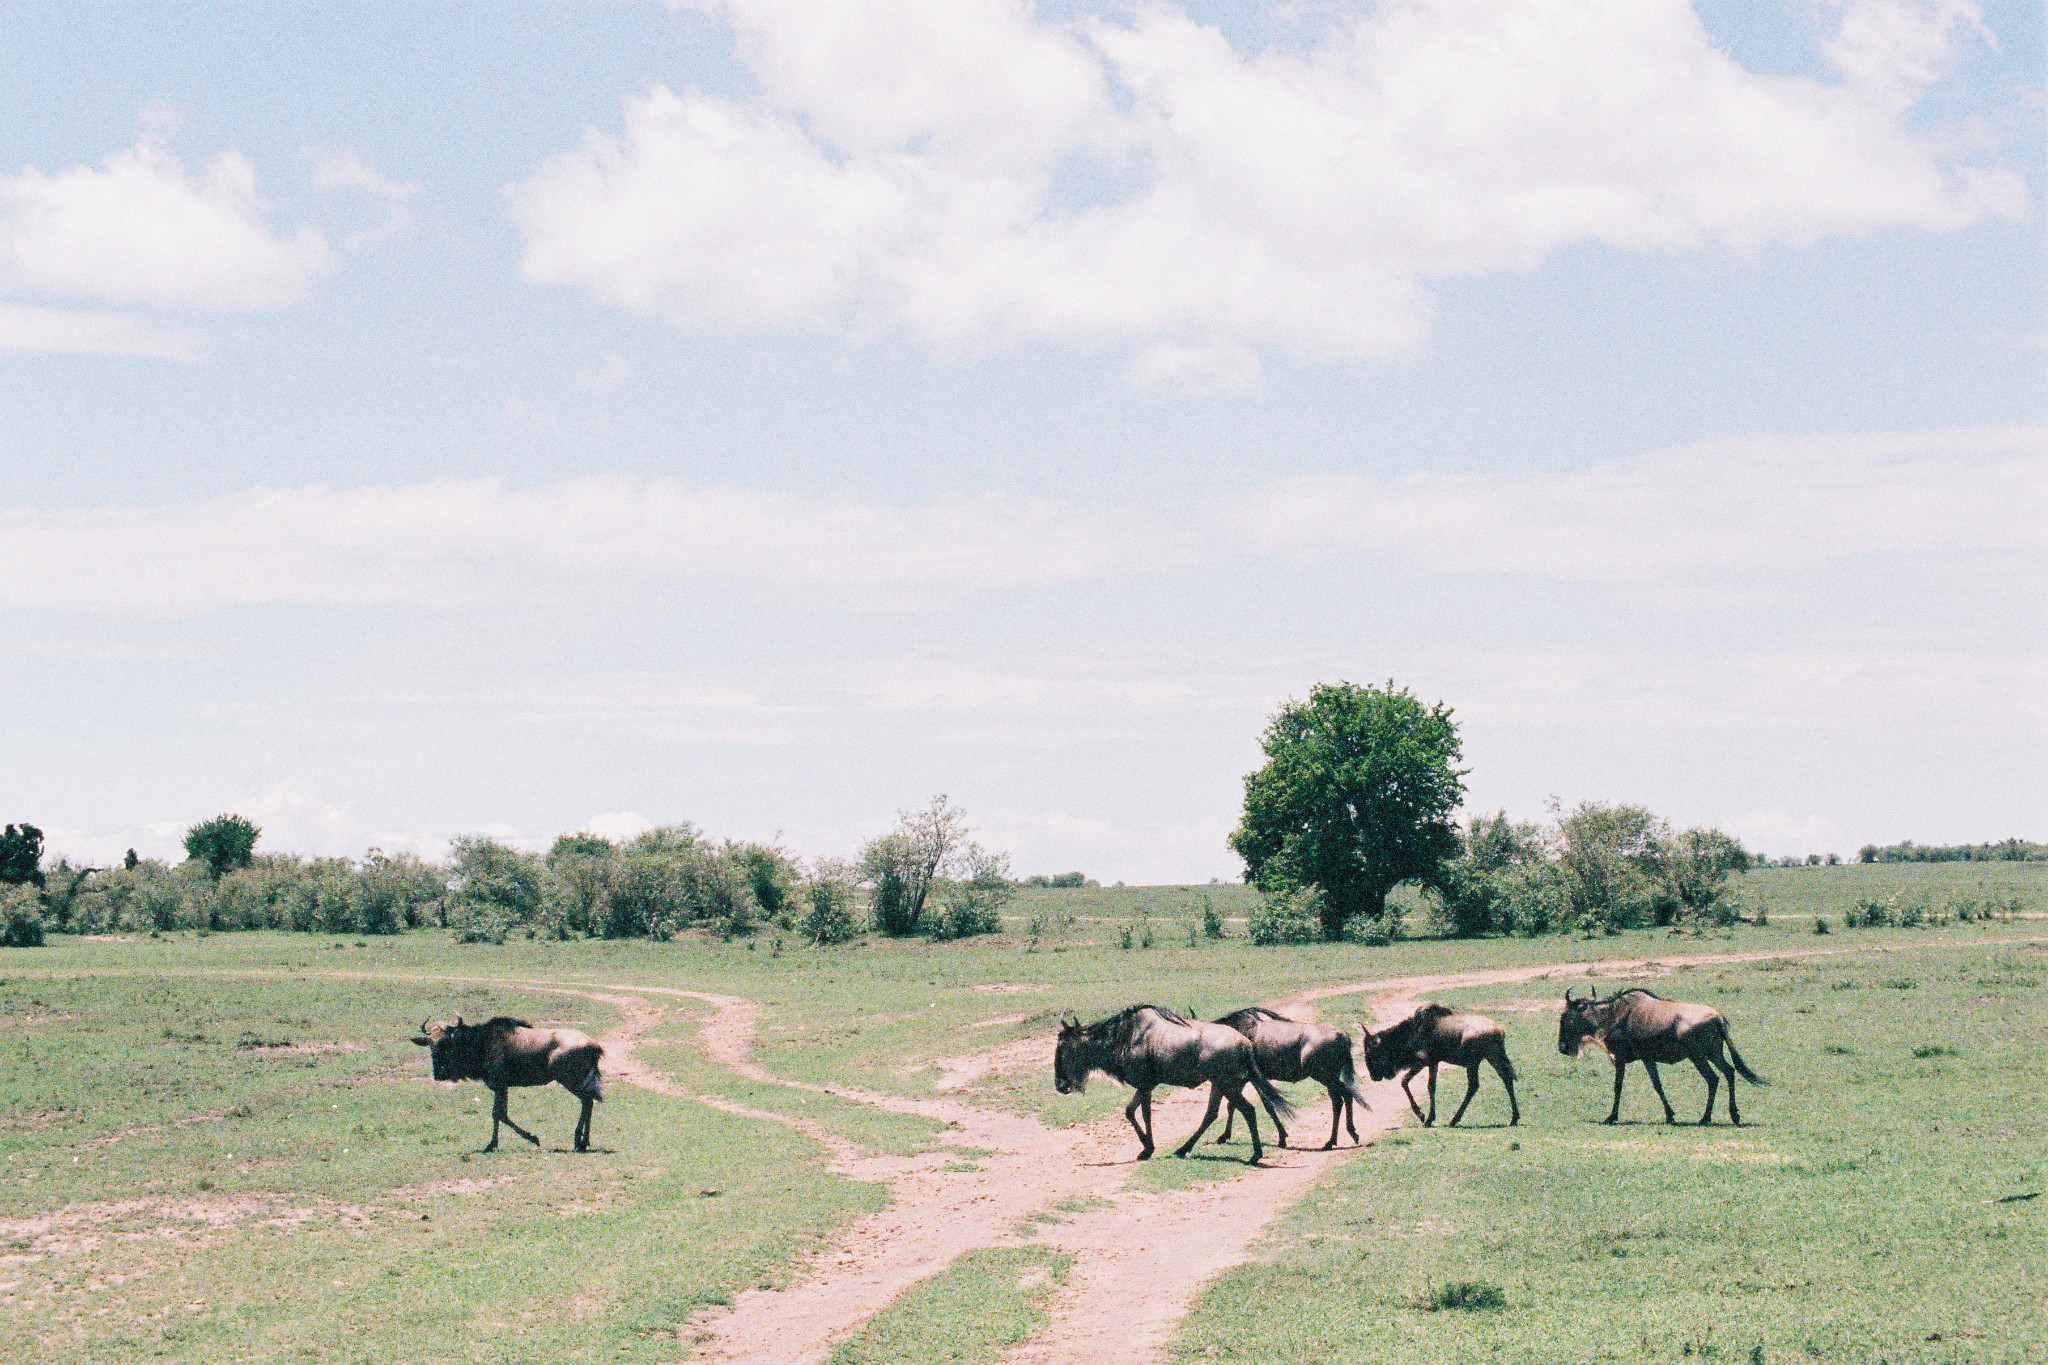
(1252, 1012)
(503, 1023)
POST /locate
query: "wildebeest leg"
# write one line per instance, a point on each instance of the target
(1430, 1122)
(1209, 1117)
(1658, 1085)
(1229, 1118)
(1251, 1118)
(1507, 1078)
(1130, 1117)
(1337, 1101)
(583, 1125)
(1471, 1089)
(1713, 1084)
(1410, 1093)
(498, 1116)
(1614, 1114)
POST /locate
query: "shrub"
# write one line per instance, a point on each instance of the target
(889, 865)
(772, 879)
(1212, 923)
(1459, 1295)
(494, 889)
(395, 892)
(974, 904)
(1283, 917)
(831, 898)
(21, 917)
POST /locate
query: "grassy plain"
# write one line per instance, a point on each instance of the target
(223, 1149)
(1860, 1216)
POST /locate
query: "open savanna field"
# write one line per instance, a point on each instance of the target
(225, 1148)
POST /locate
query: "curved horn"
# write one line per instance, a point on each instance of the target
(458, 1021)
(423, 1026)
(1568, 993)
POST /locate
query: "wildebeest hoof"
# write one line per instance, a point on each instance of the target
(1145, 1155)
(1610, 1120)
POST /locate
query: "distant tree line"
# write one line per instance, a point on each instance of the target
(924, 877)
(2008, 851)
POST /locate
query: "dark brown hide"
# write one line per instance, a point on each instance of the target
(1146, 1047)
(506, 1052)
(1291, 1051)
(1638, 1025)
(1437, 1035)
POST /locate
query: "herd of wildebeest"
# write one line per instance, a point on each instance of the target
(1146, 1046)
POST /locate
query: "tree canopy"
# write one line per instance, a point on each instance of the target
(21, 856)
(224, 843)
(1356, 797)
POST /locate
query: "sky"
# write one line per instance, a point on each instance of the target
(456, 419)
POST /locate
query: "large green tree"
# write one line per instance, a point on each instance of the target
(21, 855)
(224, 843)
(1356, 797)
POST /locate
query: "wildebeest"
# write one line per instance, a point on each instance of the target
(1146, 1046)
(1638, 1025)
(506, 1052)
(1432, 1036)
(1288, 1050)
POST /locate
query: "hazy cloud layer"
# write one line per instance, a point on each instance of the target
(1725, 517)
(977, 173)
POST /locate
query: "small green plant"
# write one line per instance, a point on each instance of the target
(1212, 923)
(1459, 1296)
(1820, 924)
(1935, 1050)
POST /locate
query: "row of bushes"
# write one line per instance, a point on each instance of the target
(1913, 910)
(924, 877)
(2005, 851)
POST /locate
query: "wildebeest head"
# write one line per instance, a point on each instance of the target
(1580, 1020)
(1380, 1062)
(1069, 1060)
(457, 1049)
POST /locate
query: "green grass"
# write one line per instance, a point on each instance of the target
(168, 1193)
(1856, 1218)
(973, 1311)
(263, 1202)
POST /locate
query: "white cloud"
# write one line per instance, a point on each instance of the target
(978, 173)
(1711, 521)
(617, 824)
(343, 170)
(143, 229)
(92, 331)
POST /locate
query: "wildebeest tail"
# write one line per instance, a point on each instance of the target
(1347, 1081)
(592, 1082)
(1740, 1065)
(1274, 1101)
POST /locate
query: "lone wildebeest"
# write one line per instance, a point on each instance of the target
(505, 1052)
(1146, 1046)
(1290, 1051)
(1432, 1036)
(1638, 1025)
